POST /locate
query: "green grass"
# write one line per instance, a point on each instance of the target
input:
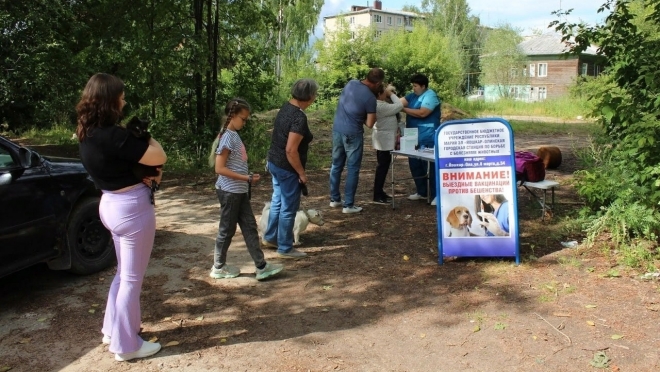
(566, 108)
(58, 134)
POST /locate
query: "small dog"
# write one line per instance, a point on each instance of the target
(140, 129)
(460, 220)
(303, 218)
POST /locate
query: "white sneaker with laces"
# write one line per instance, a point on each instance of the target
(416, 196)
(268, 271)
(353, 209)
(335, 204)
(106, 339)
(147, 349)
(435, 201)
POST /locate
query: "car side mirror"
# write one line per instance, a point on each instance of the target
(5, 179)
(27, 158)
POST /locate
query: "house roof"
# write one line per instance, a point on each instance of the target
(550, 44)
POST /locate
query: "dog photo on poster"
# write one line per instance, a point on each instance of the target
(477, 212)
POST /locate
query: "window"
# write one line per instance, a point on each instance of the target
(6, 160)
(597, 70)
(543, 93)
(408, 21)
(543, 69)
(584, 69)
(532, 70)
(351, 20)
(352, 35)
(513, 92)
(399, 21)
(389, 21)
(378, 33)
(514, 72)
(378, 18)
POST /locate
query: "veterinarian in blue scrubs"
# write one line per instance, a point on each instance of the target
(422, 108)
(287, 157)
(496, 214)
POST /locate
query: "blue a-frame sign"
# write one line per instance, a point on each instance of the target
(477, 212)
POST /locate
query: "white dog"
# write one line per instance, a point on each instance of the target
(303, 218)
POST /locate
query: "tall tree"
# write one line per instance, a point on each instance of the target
(502, 62)
(452, 18)
(296, 20)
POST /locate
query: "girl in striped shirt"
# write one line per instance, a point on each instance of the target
(232, 189)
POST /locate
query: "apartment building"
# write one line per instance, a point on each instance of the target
(367, 16)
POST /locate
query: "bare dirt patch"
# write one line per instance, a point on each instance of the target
(355, 303)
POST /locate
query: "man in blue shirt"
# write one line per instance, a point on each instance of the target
(356, 107)
(422, 108)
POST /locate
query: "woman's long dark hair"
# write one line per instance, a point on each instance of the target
(99, 103)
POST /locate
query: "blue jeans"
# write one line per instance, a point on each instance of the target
(346, 150)
(283, 207)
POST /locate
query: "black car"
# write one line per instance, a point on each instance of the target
(49, 212)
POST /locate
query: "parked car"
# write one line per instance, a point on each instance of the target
(50, 213)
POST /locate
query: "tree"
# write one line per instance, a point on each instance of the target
(452, 18)
(345, 55)
(627, 101)
(502, 62)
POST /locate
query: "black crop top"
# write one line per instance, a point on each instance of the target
(109, 154)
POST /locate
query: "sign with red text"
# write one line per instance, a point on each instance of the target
(476, 178)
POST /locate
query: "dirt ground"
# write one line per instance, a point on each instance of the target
(369, 297)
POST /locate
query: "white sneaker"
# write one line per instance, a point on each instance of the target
(106, 339)
(352, 209)
(335, 204)
(268, 271)
(416, 196)
(435, 201)
(147, 349)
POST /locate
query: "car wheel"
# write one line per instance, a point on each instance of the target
(90, 243)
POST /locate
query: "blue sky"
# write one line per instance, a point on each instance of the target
(527, 15)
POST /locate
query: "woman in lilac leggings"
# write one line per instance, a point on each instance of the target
(110, 153)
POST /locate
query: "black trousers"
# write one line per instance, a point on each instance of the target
(384, 159)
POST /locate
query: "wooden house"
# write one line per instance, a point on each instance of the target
(548, 72)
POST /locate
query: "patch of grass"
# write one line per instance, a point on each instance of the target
(499, 326)
(542, 128)
(612, 273)
(477, 316)
(567, 108)
(546, 298)
(569, 261)
(58, 134)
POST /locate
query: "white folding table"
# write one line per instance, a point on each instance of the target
(427, 155)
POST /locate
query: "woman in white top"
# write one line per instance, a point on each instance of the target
(383, 138)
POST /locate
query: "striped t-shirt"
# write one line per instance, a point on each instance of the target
(237, 162)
